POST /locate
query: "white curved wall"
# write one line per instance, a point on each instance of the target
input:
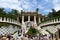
(52, 28)
(54, 21)
(6, 30)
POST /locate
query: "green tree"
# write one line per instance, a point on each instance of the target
(32, 31)
(2, 12)
(14, 14)
(58, 12)
(52, 14)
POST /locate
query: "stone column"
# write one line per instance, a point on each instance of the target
(39, 20)
(0, 19)
(54, 20)
(35, 19)
(28, 18)
(4, 19)
(57, 20)
(23, 24)
(42, 19)
(22, 19)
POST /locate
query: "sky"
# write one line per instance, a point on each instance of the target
(44, 6)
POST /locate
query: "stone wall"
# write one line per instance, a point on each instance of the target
(10, 29)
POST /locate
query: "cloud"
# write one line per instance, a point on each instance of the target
(29, 5)
(9, 1)
(56, 4)
(18, 4)
(46, 0)
(40, 7)
(13, 4)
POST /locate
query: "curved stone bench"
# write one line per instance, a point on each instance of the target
(9, 20)
(54, 21)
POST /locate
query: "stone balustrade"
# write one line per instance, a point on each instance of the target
(9, 20)
(54, 21)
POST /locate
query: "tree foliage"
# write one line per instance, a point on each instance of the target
(32, 31)
(13, 14)
(54, 14)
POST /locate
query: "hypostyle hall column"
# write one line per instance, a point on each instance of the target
(57, 20)
(54, 20)
(29, 18)
(22, 19)
(35, 19)
(39, 20)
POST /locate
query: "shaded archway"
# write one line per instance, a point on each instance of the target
(31, 18)
(25, 18)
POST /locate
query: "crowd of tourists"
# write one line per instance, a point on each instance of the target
(25, 37)
(37, 37)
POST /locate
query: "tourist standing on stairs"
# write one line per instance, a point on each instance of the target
(45, 37)
(19, 38)
(9, 36)
(25, 37)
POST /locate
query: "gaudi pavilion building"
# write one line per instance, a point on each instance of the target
(31, 16)
(28, 19)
